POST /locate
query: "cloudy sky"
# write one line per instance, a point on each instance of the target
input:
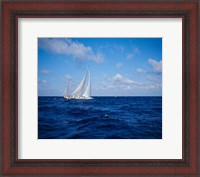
(118, 66)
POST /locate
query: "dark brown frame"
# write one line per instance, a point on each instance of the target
(13, 10)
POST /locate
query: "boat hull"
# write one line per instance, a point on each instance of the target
(77, 98)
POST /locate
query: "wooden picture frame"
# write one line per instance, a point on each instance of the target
(12, 10)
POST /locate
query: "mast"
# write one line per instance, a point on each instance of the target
(67, 89)
(79, 90)
(87, 92)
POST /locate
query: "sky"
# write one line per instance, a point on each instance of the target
(118, 66)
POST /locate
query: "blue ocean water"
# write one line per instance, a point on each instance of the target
(100, 118)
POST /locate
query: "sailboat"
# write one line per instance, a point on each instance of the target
(78, 92)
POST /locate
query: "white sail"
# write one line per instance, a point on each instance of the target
(88, 88)
(67, 89)
(79, 90)
(65, 92)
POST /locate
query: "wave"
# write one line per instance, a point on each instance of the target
(100, 118)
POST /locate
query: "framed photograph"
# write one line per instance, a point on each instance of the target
(100, 88)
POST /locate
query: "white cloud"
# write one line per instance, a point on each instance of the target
(45, 71)
(121, 85)
(43, 81)
(105, 77)
(128, 87)
(120, 79)
(157, 66)
(154, 79)
(149, 85)
(119, 65)
(68, 76)
(68, 47)
(136, 50)
(119, 48)
(141, 71)
(132, 54)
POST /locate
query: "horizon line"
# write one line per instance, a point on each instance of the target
(107, 96)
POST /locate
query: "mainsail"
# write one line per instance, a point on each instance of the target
(88, 88)
(79, 90)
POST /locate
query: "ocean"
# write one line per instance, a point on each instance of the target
(100, 118)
